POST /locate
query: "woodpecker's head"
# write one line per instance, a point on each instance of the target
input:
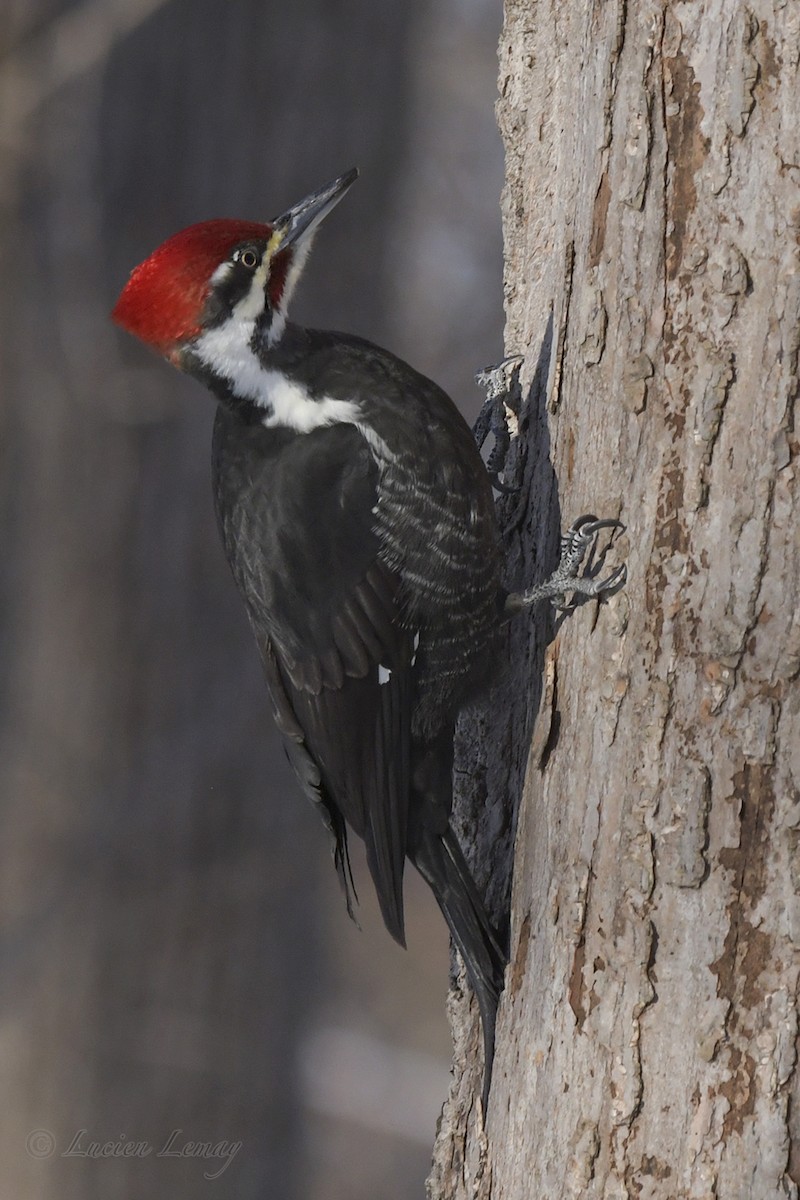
(210, 296)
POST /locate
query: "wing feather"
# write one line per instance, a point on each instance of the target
(310, 776)
(328, 616)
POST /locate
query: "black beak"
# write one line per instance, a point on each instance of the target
(301, 220)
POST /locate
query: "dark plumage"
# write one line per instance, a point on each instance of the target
(358, 519)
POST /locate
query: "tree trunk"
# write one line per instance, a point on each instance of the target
(647, 1037)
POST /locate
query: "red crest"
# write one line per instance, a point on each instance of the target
(163, 300)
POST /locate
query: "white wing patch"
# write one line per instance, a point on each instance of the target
(384, 674)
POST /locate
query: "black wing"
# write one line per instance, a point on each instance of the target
(435, 521)
(296, 514)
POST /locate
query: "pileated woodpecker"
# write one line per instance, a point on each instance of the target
(358, 518)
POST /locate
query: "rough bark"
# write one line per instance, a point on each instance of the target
(647, 1037)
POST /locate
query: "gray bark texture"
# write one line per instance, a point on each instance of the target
(647, 1040)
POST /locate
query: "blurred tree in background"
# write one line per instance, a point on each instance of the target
(175, 953)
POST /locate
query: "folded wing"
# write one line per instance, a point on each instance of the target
(328, 615)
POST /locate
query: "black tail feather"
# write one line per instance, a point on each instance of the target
(439, 860)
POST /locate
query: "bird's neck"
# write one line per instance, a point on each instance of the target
(261, 380)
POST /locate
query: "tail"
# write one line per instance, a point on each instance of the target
(441, 864)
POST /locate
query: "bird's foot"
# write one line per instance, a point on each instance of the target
(566, 578)
(499, 415)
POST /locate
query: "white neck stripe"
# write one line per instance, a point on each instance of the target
(226, 350)
(290, 404)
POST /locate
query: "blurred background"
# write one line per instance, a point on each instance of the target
(174, 949)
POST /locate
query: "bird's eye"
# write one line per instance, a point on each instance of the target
(249, 259)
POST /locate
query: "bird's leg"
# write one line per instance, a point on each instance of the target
(567, 578)
(499, 414)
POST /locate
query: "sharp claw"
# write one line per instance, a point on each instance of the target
(610, 523)
(599, 587)
(588, 525)
(575, 544)
(616, 578)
